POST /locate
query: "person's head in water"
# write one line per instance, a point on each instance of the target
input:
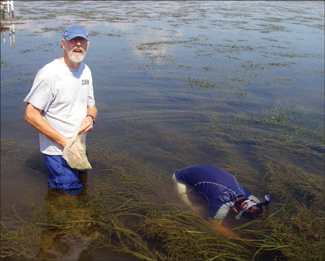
(249, 209)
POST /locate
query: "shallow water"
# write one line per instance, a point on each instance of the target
(172, 77)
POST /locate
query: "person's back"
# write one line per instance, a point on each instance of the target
(217, 185)
(219, 188)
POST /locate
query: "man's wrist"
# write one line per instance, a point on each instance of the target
(63, 142)
(94, 121)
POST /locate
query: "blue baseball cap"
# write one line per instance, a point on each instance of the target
(75, 31)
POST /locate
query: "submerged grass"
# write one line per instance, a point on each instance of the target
(128, 212)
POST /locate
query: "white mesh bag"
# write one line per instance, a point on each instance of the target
(75, 152)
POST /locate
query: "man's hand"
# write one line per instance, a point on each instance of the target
(86, 125)
(64, 142)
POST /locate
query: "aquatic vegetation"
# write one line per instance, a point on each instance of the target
(301, 225)
(200, 83)
(20, 245)
(130, 211)
(193, 82)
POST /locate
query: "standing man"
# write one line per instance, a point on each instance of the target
(199, 184)
(60, 102)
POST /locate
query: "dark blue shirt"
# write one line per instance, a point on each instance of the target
(217, 186)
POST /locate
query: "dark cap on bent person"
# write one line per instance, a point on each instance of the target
(73, 31)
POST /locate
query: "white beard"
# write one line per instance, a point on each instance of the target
(73, 57)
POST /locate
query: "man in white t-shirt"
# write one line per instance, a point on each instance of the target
(60, 102)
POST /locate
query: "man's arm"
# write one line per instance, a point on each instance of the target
(216, 225)
(87, 123)
(33, 117)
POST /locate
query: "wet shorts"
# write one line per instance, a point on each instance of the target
(60, 175)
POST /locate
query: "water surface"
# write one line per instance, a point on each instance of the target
(174, 83)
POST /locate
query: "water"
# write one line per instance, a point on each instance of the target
(169, 74)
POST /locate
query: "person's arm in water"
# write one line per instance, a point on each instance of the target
(87, 123)
(33, 117)
(216, 225)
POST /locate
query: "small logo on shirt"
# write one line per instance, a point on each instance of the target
(85, 82)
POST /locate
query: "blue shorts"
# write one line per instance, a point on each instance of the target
(60, 175)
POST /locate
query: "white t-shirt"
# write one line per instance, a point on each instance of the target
(63, 94)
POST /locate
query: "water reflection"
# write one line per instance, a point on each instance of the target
(71, 225)
(7, 22)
